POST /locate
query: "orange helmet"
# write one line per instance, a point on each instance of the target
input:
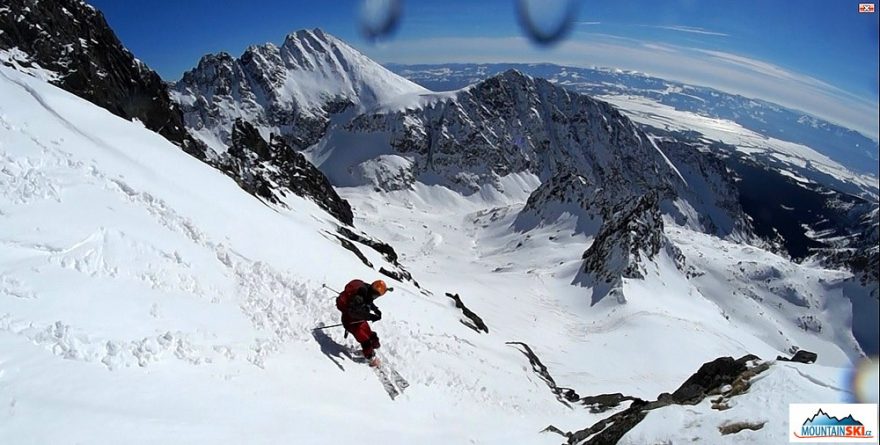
(379, 287)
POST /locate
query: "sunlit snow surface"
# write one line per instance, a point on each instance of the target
(799, 158)
(145, 298)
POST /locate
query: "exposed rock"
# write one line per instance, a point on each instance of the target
(400, 274)
(353, 249)
(801, 356)
(564, 192)
(712, 377)
(513, 123)
(73, 40)
(630, 237)
(272, 169)
(709, 189)
(564, 395)
(477, 322)
(735, 427)
(386, 250)
(603, 402)
(608, 431)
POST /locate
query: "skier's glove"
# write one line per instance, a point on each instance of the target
(376, 317)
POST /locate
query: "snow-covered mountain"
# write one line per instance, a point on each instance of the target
(620, 272)
(166, 289)
(291, 90)
(828, 205)
(70, 44)
(511, 123)
(847, 147)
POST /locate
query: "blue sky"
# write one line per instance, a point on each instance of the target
(820, 56)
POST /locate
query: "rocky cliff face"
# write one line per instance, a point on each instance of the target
(513, 123)
(860, 251)
(708, 198)
(72, 40)
(272, 169)
(291, 90)
(629, 239)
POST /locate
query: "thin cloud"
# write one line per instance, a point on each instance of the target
(689, 29)
(588, 23)
(725, 71)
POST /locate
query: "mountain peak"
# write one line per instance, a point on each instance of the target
(313, 39)
(210, 59)
(514, 73)
(289, 90)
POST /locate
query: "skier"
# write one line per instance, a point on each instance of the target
(357, 307)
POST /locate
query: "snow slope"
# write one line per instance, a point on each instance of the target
(145, 297)
(521, 284)
(139, 285)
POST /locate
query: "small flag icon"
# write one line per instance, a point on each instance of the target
(866, 8)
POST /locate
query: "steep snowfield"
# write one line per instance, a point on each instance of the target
(520, 283)
(141, 287)
(145, 298)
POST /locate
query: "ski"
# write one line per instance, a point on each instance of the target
(387, 382)
(395, 376)
(399, 380)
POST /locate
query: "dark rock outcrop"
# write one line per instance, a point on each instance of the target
(272, 169)
(400, 274)
(386, 250)
(348, 245)
(73, 40)
(712, 378)
(630, 237)
(476, 323)
(566, 396)
(801, 356)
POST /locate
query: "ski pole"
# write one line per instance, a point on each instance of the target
(325, 327)
(338, 324)
(329, 288)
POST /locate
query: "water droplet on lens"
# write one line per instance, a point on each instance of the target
(546, 21)
(379, 18)
(864, 381)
